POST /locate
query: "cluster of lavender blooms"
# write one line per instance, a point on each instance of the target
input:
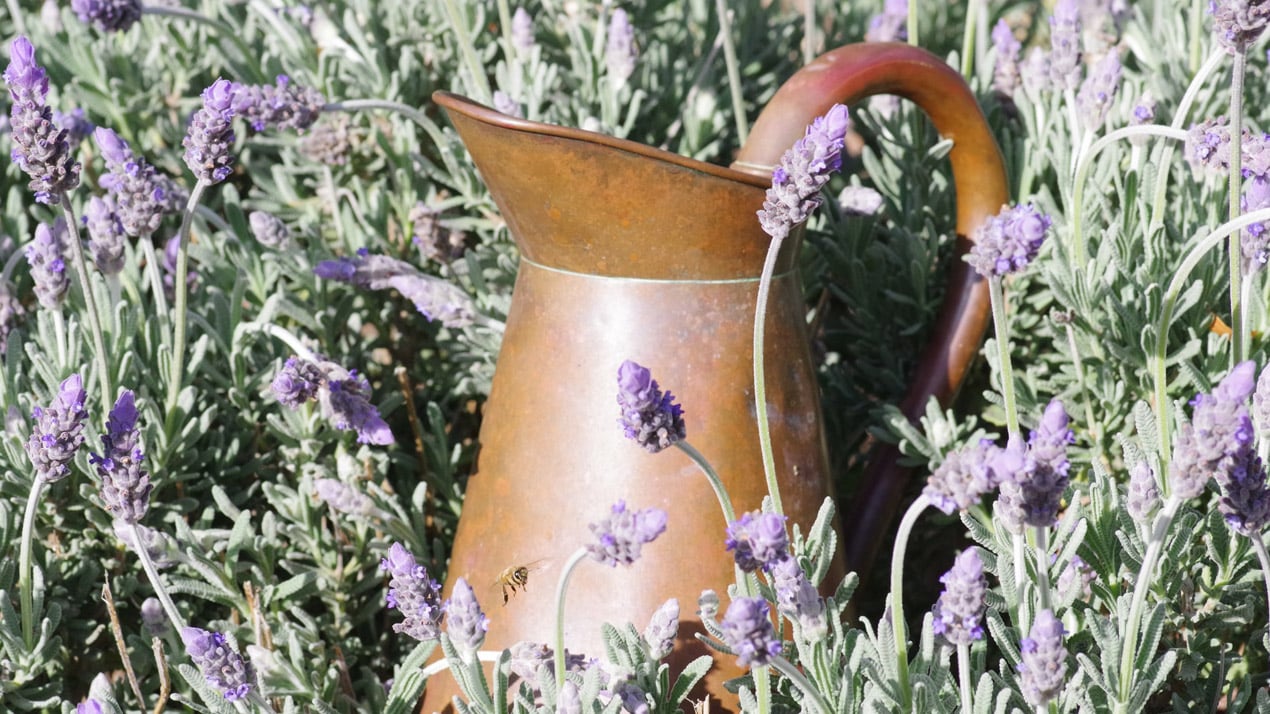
(125, 485)
(344, 396)
(804, 169)
(1033, 495)
(621, 535)
(1255, 240)
(283, 105)
(747, 630)
(142, 196)
(436, 241)
(108, 15)
(1065, 54)
(269, 230)
(413, 593)
(1007, 242)
(1005, 71)
(210, 139)
(958, 614)
(58, 431)
(890, 25)
(1207, 147)
(1238, 23)
(620, 53)
(40, 148)
(650, 417)
(222, 666)
(434, 298)
(48, 266)
(1043, 671)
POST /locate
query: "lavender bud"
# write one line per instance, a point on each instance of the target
(804, 169)
(1144, 110)
(1245, 500)
(1005, 73)
(58, 432)
(1034, 73)
(758, 540)
(964, 477)
(1033, 496)
(1255, 239)
(153, 617)
(106, 236)
(1238, 23)
(797, 599)
(708, 604)
(1043, 671)
(269, 229)
(211, 135)
(1008, 241)
(620, 53)
(1211, 444)
(890, 25)
(48, 268)
(1075, 579)
(1098, 91)
(297, 382)
(649, 417)
(634, 700)
(283, 105)
(220, 664)
(412, 593)
(76, 125)
(1207, 148)
(466, 624)
(125, 485)
(343, 498)
(330, 142)
(622, 534)
(40, 148)
(748, 632)
(522, 32)
(860, 201)
(108, 15)
(162, 549)
(140, 192)
(504, 103)
(527, 658)
(1144, 494)
(662, 629)
(569, 701)
(1064, 58)
(958, 614)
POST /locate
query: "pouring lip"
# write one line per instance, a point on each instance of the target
(475, 110)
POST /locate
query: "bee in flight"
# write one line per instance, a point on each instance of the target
(516, 577)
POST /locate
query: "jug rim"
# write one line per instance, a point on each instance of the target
(480, 112)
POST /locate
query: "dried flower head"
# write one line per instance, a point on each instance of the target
(283, 105)
(1238, 23)
(108, 15)
(58, 431)
(649, 417)
(125, 485)
(620, 53)
(106, 236)
(662, 629)
(1207, 148)
(1007, 242)
(1043, 671)
(758, 540)
(141, 193)
(804, 169)
(958, 614)
(48, 267)
(220, 664)
(329, 142)
(412, 593)
(1220, 430)
(466, 624)
(40, 147)
(1098, 91)
(748, 632)
(269, 230)
(210, 138)
(621, 535)
(1064, 57)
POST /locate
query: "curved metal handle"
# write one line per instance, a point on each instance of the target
(849, 74)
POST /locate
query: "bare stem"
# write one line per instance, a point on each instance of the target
(90, 303)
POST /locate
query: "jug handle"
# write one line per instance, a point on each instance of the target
(846, 75)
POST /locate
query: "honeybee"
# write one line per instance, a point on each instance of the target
(516, 577)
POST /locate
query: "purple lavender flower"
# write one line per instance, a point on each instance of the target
(1144, 110)
(466, 624)
(40, 148)
(527, 658)
(890, 25)
(283, 105)
(297, 382)
(748, 632)
(662, 629)
(108, 15)
(1043, 671)
(1075, 580)
(1032, 497)
(140, 192)
(1034, 72)
(649, 417)
(1213, 442)
(153, 618)
(106, 236)
(76, 125)
(1064, 58)
(504, 103)
(434, 298)
(860, 201)
(88, 706)
(1098, 91)
(58, 431)
(797, 599)
(211, 134)
(1245, 500)
(1008, 241)
(1207, 147)
(1238, 23)
(1144, 495)
(522, 32)
(1005, 73)
(346, 403)
(758, 540)
(965, 476)
(412, 593)
(269, 229)
(804, 169)
(220, 664)
(622, 534)
(634, 700)
(569, 701)
(11, 310)
(958, 614)
(1255, 239)
(619, 52)
(343, 498)
(48, 268)
(125, 485)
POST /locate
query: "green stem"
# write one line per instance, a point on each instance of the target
(152, 573)
(90, 303)
(1259, 545)
(25, 578)
(973, 9)
(1196, 32)
(418, 117)
(1002, 329)
(181, 291)
(760, 377)
(59, 336)
(1043, 566)
(782, 665)
(561, 587)
(468, 51)
(1018, 553)
(809, 33)
(734, 70)
(721, 493)
(898, 625)
(911, 27)
(1239, 334)
(1095, 435)
(963, 677)
(1154, 546)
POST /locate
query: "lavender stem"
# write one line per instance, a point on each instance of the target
(180, 289)
(90, 302)
(898, 625)
(25, 585)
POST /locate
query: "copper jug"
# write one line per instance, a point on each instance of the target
(630, 252)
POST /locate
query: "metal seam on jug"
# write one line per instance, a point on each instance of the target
(592, 276)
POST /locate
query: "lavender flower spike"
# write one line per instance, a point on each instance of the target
(108, 15)
(413, 593)
(106, 236)
(1005, 73)
(269, 229)
(1214, 441)
(297, 382)
(620, 53)
(649, 417)
(890, 25)
(1098, 91)
(141, 193)
(40, 147)
(804, 169)
(1007, 242)
(662, 629)
(1033, 496)
(958, 614)
(964, 477)
(48, 267)
(58, 431)
(1064, 55)
(622, 534)
(1261, 400)
(1144, 495)
(1207, 147)
(1238, 23)
(220, 664)
(125, 485)
(346, 403)
(797, 599)
(522, 31)
(1245, 500)
(1043, 671)
(211, 135)
(758, 540)
(748, 632)
(466, 624)
(435, 298)
(283, 105)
